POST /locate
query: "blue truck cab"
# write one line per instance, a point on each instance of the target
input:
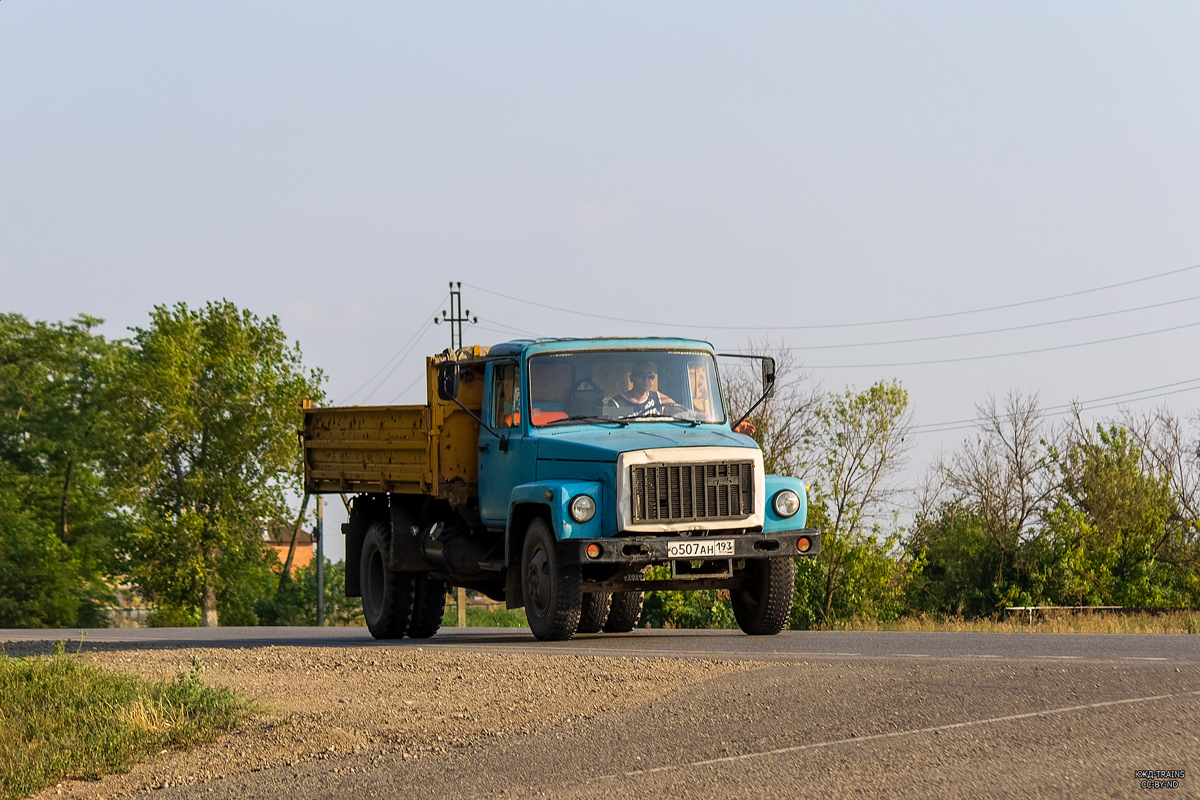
(596, 460)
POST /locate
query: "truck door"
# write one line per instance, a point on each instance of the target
(500, 457)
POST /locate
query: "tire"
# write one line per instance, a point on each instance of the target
(553, 593)
(387, 597)
(429, 604)
(594, 612)
(625, 612)
(763, 603)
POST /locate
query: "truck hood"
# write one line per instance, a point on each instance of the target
(604, 443)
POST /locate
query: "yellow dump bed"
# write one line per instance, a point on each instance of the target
(428, 450)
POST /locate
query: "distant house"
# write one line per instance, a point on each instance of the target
(279, 539)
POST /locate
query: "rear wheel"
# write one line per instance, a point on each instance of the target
(429, 604)
(387, 597)
(763, 602)
(594, 612)
(553, 593)
(625, 612)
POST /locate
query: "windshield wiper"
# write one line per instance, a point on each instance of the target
(588, 418)
(659, 417)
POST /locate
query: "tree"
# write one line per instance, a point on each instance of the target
(217, 394)
(850, 447)
(1167, 451)
(56, 433)
(295, 603)
(783, 423)
(999, 488)
(39, 583)
(859, 445)
(1116, 526)
(960, 561)
(1002, 474)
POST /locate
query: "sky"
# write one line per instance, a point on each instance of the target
(799, 173)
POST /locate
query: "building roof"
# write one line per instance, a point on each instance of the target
(281, 535)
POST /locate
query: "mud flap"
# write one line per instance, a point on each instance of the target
(514, 596)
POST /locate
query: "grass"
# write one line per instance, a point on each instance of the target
(1048, 622)
(485, 617)
(60, 718)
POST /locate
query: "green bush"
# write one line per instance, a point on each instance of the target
(696, 609)
(166, 615)
(295, 603)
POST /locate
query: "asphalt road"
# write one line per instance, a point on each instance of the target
(826, 715)
(789, 645)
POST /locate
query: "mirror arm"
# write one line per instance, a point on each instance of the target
(757, 402)
(475, 417)
(451, 394)
(746, 416)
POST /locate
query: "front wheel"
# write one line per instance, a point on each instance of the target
(553, 593)
(763, 602)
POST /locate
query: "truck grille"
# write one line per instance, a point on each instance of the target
(717, 490)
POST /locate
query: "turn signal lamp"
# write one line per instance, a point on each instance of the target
(593, 550)
(803, 544)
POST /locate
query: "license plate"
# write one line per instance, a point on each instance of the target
(700, 548)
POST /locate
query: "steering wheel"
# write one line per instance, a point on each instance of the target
(678, 410)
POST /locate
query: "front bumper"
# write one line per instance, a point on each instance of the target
(643, 550)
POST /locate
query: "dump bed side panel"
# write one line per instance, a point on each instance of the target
(368, 449)
(425, 450)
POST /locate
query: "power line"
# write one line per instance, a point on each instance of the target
(510, 329)
(971, 422)
(931, 338)
(994, 330)
(1082, 407)
(425, 329)
(841, 324)
(405, 390)
(1001, 355)
(396, 355)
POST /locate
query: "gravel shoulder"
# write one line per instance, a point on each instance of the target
(327, 703)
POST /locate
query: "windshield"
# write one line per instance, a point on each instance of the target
(624, 385)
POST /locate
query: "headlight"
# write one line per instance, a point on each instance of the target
(786, 503)
(583, 508)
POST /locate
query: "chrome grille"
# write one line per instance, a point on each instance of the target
(717, 490)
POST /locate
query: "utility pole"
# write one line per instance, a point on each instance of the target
(320, 537)
(456, 317)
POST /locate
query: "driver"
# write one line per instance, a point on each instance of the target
(641, 400)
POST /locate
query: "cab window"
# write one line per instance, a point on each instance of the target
(506, 396)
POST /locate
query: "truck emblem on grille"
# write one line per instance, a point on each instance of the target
(722, 480)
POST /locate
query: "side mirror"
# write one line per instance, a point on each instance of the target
(447, 381)
(768, 376)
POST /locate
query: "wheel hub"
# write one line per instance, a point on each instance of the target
(537, 581)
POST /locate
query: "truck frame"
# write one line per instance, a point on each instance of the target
(532, 477)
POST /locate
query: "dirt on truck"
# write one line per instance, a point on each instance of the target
(551, 474)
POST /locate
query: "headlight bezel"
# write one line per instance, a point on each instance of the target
(778, 503)
(582, 508)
